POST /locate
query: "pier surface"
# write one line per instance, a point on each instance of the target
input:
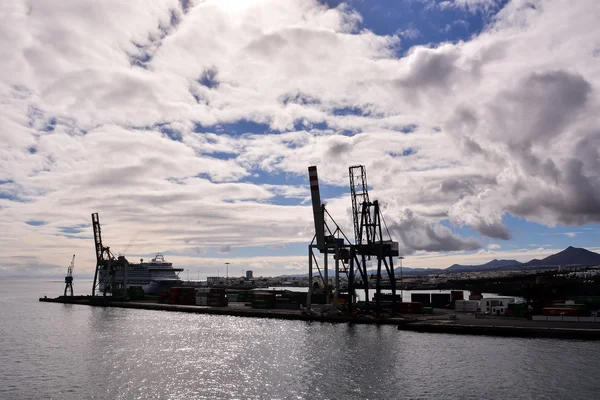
(469, 324)
(233, 309)
(446, 322)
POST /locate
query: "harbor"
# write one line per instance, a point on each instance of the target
(156, 285)
(441, 321)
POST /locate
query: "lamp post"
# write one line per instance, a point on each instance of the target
(227, 274)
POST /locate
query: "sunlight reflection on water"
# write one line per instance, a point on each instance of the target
(79, 352)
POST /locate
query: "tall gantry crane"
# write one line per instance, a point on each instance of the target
(328, 240)
(111, 273)
(352, 258)
(369, 239)
(69, 277)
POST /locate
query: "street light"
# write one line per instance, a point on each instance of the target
(227, 274)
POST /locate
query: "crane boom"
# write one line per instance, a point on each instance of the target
(71, 267)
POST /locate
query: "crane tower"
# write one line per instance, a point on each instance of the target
(108, 267)
(69, 277)
(329, 240)
(369, 239)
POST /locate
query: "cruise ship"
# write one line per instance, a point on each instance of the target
(154, 276)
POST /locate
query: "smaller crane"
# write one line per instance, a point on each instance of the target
(69, 277)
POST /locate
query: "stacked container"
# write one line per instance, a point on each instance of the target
(174, 294)
(409, 308)
(517, 309)
(552, 311)
(202, 296)
(182, 295)
(163, 297)
(135, 293)
(217, 297)
(466, 306)
(263, 300)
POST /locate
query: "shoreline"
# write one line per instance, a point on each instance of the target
(549, 332)
(234, 309)
(464, 324)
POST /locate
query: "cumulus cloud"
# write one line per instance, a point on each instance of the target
(137, 121)
(416, 233)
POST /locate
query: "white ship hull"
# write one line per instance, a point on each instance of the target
(154, 277)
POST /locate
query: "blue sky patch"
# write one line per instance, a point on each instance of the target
(408, 128)
(51, 125)
(300, 98)
(74, 229)
(235, 128)
(171, 133)
(9, 193)
(35, 222)
(209, 78)
(420, 22)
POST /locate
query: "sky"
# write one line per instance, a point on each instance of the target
(189, 126)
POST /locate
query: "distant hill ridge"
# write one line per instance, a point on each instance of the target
(490, 265)
(569, 256)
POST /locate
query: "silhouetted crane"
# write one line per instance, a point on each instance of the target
(69, 277)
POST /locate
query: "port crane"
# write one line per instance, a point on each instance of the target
(328, 240)
(369, 239)
(108, 267)
(69, 278)
(351, 259)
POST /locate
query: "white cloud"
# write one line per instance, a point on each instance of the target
(102, 115)
(494, 246)
(409, 33)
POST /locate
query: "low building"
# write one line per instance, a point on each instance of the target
(487, 303)
(499, 310)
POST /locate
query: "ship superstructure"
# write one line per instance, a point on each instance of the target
(154, 276)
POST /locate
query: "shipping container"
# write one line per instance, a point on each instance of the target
(466, 306)
(575, 306)
(409, 307)
(201, 300)
(261, 299)
(423, 298)
(586, 299)
(559, 311)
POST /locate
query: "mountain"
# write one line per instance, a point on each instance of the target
(569, 256)
(494, 264)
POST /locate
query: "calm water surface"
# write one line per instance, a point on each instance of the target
(57, 351)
